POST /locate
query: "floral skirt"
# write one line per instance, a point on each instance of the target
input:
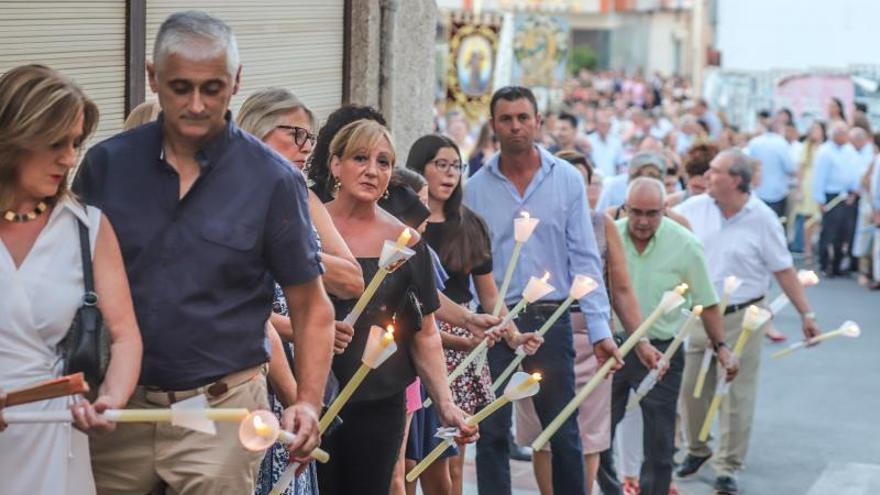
(473, 389)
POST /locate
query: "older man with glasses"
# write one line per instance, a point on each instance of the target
(660, 254)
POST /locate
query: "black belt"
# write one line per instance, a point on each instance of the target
(550, 305)
(733, 308)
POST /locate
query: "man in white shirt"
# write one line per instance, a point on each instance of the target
(860, 221)
(742, 237)
(606, 150)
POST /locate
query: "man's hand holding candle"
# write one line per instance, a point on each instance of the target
(727, 361)
(529, 341)
(650, 356)
(342, 336)
(607, 349)
(301, 419)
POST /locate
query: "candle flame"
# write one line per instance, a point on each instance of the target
(698, 310)
(260, 426)
(852, 330)
(405, 236)
(546, 277)
(537, 377)
(681, 289)
(390, 329)
(524, 214)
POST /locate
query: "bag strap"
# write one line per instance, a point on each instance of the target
(90, 298)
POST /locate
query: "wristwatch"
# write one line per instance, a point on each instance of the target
(810, 315)
(718, 345)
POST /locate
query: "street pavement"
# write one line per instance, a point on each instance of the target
(817, 423)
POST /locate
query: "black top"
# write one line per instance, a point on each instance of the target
(403, 297)
(458, 286)
(201, 268)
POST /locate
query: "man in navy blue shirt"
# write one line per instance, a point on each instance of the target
(207, 219)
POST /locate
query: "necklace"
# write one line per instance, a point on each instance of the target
(11, 216)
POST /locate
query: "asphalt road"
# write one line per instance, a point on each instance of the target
(817, 423)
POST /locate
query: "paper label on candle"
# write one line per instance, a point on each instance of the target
(581, 286)
(523, 228)
(671, 300)
(648, 383)
(190, 413)
(375, 353)
(536, 289)
(392, 256)
(513, 390)
(447, 434)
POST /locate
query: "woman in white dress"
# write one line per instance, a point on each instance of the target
(44, 118)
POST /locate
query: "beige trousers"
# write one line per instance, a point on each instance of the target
(138, 458)
(738, 407)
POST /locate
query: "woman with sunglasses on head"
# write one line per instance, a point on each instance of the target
(363, 450)
(461, 239)
(284, 123)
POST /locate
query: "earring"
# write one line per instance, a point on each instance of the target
(387, 193)
(337, 184)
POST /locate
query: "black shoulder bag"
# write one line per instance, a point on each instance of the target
(86, 347)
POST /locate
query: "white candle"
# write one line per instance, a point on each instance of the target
(524, 226)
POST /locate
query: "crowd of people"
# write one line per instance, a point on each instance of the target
(228, 251)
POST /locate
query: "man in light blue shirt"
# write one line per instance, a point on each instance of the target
(606, 150)
(836, 172)
(777, 169)
(524, 177)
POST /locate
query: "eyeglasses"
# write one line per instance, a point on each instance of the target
(300, 135)
(444, 166)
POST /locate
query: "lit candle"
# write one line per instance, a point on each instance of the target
(522, 230)
(380, 346)
(522, 385)
(670, 301)
(848, 329)
(653, 376)
(403, 239)
(393, 255)
(580, 287)
(807, 278)
(754, 319)
(731, 284)
(535, 290)
(260, 429)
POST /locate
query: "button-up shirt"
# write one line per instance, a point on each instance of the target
(563, 243)
(750, 245)
(606, 153)
(836, 170)
(613, 192)
(201, 268)
(673, 256)
(777, 167)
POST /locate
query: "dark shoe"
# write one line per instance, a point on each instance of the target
(690, 465)
(518, 453)
(725, 485)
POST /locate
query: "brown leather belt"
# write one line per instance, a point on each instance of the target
(212, 390)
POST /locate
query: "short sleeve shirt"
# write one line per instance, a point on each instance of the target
(201, 268)
(673, 256)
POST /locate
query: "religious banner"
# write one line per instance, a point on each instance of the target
(472, 47)
(540, 49)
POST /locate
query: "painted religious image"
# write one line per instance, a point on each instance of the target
(472, 51)
(540, 50)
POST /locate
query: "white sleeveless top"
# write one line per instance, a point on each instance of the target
(39, 300)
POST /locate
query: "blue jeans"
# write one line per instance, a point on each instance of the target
(555, 361)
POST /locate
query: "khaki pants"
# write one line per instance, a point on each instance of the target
(138, 458)
(737, 409)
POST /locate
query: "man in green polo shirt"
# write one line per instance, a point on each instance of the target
(660, 254)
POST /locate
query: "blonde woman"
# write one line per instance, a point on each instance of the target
(278, 118)
(44, 120)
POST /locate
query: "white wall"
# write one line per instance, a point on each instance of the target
(797, 34)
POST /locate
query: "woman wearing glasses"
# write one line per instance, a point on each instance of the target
(284, 123)
(461, 238)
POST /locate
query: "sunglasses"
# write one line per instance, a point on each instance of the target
(300, 135)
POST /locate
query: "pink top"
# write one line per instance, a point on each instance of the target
(414, 396)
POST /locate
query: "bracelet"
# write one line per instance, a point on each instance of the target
(718, 345)
(809, 315)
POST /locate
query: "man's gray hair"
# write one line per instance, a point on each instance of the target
(742, 166)
(262, 111)
(198, 36)
(639, 183)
